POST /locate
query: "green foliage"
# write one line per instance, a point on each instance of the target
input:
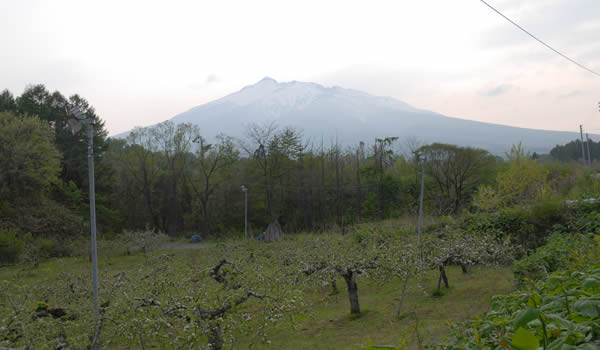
(12, 245)
(70, 195)
(46, 247)
(559, 312)
(49, 107)
(48, 219)
(587, 223)
(438, 293)
(7, 101)
(523, 181)
(29, 161)
(571, 151)
(457, 172)
(560, 250)
(42, 161)
(527, 226)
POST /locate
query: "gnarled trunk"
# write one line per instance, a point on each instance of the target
(334, 289)
(215, 336)
(443, 277)
(349, 277)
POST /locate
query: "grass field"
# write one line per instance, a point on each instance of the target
(326, 322)
(423, 317)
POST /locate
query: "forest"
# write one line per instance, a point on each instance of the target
(171, 178)
(519, 226)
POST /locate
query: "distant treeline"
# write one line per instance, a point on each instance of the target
(572, 151)
(169, 177)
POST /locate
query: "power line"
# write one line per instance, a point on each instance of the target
(540, 41)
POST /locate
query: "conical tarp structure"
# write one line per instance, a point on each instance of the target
(273, 232)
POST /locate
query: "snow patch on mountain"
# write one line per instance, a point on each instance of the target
(297, 95)
(351, 116)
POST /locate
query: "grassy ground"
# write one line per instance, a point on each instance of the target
(328, 325)
(423, 318)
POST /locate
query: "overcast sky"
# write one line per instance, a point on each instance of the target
(142, 62)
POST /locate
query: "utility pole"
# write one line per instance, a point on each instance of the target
(587, 143)
(420, 224)
(92, 189)
(245, 190)
(75, 125)
(582, 146)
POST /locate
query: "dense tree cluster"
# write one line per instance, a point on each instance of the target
(173, 178)
(572, 151)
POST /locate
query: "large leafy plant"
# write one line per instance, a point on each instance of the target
(561, 312)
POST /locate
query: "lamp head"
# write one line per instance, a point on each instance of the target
(77, 113)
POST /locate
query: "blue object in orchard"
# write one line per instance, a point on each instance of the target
(195, 239)
(261, 237)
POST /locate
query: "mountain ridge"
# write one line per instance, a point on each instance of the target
(352, 116)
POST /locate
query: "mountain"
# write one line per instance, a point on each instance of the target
(351, 116)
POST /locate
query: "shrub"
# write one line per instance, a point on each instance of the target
(588, 223)
(12, 245)
(556, 254)
(45, 247)
(48, 219)
(560, 312)
(48, 248)
(526, 226)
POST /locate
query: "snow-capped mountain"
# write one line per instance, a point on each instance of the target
(325, 114)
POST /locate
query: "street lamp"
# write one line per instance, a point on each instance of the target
(245, 190)
(75, 124)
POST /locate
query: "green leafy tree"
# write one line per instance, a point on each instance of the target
(458, 171)
(29, 160)
(52, 108)
(523, 180)
(7, 102)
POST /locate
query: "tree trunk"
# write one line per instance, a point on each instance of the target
(172, 210)
(403, 295)
(215, 337)
(334, 289)
(443, 277)
(352, 292)
(205, 216)
(148, 197)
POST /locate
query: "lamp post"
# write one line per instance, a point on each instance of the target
(245, 190)
(75, 125)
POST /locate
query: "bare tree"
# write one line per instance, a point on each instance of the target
(142, 163)
(273, 151)
(174, 141)
(382, 159)
(212, 159)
